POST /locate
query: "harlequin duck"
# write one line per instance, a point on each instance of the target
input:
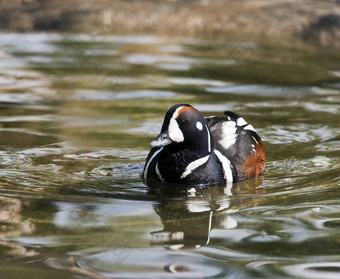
(193, 150)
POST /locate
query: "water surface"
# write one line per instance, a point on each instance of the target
(77, 115)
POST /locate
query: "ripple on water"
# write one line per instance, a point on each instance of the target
(135, 39)
(267, 90)
(329, 146)
(109, 154)
(279, 134)
(101, 95)
(148, 59)
(34, 167)
(152, 128)
(322, 217)
(331, 108)
(14, 76)
(314, 270)
(195, 81)
(130, 171)
(15, 98)
(286, 268)
(219, 108)
(173, 66)
(172, 48)
(26, 118)
(299, 168)
(126, 262)
(99, 203)
(9, 159)
(32, 42)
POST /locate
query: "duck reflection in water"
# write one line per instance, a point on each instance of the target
(189, 220)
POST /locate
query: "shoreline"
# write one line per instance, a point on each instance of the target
(282, 22)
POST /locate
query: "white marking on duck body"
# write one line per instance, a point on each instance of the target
(149, 162)
(254, 139)
(250, 128)
(241, 122)
(194, 165)
(229, 134)
(226, 165)
(199, 125)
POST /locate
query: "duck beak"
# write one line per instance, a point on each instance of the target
(162, 140)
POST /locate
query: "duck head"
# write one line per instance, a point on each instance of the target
(184, 127)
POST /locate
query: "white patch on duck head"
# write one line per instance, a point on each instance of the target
(199, 125)
(175, 132)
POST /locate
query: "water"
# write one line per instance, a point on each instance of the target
(77, 115)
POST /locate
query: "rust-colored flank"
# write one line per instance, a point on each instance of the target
(255, 164)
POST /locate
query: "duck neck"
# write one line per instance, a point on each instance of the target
(203, 145)
(198, 147)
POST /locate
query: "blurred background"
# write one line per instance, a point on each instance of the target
(84, 86)
(283, 21)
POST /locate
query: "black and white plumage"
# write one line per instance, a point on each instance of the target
(193, 150)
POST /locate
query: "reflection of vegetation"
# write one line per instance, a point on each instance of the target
(325, 29)
(12, 226)
(70, 264)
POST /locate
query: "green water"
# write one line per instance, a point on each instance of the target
(77, 114)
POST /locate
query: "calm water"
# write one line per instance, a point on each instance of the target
(77, 115)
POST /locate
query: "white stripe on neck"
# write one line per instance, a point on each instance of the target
(149, 162)
(158, 173)
(209, 139)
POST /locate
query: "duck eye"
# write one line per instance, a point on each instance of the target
(183, 122)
